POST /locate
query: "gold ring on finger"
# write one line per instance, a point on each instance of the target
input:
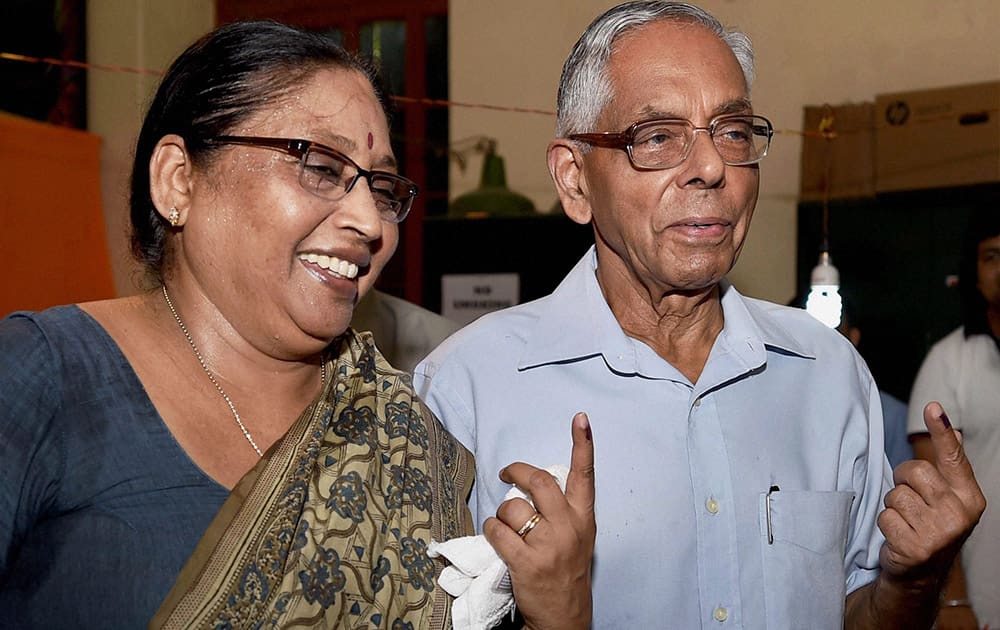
(529, 524)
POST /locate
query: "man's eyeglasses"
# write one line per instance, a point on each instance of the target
(666, 142)
(329, 174)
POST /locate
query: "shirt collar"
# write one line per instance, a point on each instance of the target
(575, 323)
(977, 325)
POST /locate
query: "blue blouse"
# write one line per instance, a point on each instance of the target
(99, 505)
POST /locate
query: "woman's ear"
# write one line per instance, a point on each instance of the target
(566, 168)
(170, 179)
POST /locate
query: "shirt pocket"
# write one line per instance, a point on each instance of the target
(803, 541)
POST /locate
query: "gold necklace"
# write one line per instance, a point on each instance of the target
(211, 376)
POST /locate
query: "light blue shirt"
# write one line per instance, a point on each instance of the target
(897, 445)
(683, 469)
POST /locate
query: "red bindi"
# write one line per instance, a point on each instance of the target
(371, 140)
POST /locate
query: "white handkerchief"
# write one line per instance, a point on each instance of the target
(477, 578)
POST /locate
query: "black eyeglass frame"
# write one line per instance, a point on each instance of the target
(625, 139)
(299, 148)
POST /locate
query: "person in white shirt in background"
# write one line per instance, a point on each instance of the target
(404, 332)
(962, 372)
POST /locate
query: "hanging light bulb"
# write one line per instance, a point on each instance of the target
(824, 302)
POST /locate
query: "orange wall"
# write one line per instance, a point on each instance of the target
(52, 244)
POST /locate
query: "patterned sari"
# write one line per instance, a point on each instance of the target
(330, 529)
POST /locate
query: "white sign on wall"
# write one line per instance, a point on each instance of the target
(464, 297)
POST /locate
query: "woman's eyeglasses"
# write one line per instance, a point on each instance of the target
(329, 174)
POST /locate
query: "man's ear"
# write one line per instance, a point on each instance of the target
(566, 168)
(170, 171)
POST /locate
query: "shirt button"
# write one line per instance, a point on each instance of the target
(721, 614)
(697, 402)
(712, 506)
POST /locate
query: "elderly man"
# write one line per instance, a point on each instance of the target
(741, 478)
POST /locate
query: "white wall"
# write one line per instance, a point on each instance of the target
(510, 53)
(144, 34)
(809, 52)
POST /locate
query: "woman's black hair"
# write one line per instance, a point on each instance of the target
(983, 224)
(220, 81)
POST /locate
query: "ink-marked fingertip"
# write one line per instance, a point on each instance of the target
(945, 420)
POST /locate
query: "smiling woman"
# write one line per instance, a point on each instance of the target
(234, 396)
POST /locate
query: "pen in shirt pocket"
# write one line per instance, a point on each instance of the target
(767, 509)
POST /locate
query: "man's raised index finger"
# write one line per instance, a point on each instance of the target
(949, 454)
(580, 482)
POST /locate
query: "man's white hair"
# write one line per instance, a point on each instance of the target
(585, 88)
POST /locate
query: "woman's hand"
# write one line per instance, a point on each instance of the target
(550, 560)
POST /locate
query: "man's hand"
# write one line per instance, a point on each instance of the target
(550, 563)
(932, 509)
(959, 618)
(927, 517)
